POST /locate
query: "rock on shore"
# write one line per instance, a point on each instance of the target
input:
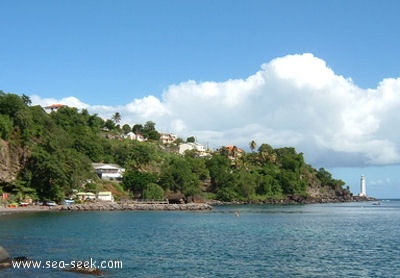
(104, 206)
(5, 260)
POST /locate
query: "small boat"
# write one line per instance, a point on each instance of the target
(50, 203)
(68, 202)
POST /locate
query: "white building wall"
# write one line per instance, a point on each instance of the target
(105, 196)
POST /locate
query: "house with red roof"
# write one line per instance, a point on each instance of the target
(54, 106)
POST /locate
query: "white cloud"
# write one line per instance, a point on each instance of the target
(147, 107)
(380, 182)
(70, 101)
(296, 100)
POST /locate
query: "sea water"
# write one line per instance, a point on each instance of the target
(319, 240)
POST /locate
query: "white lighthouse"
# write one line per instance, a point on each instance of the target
(363, 190)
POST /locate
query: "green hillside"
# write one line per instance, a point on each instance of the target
(47, 156)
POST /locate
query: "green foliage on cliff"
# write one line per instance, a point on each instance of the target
(57, 150)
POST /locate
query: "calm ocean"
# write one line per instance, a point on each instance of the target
(327, 240)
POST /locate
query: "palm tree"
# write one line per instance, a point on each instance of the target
(253, 145)
(116, 117)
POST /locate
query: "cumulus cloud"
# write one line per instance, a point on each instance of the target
(70, 101)
(296, 100)
(380, 182)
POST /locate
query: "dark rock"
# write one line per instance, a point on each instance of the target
(5, 260)
(20, 259)
(83, 270)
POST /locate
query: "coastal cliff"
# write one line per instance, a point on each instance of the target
(12, 160)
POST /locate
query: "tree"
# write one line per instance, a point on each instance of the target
(191, 139)
(95, 122)
(288, 181)
(266, 154)
(253, 145)
(116, 117)
(266, 148)
(197, 164)
(324, 176)
(46, 175)
(88, 143)
(149, 126)
(136, 181)
(109, 124)
(136, 155)
(137, 129)
(69, 117)
(150, 132)
(177, 176)
(178, 141)
(226, 194)
(10, 104)
(126, 129)
(76, 167)
(153, 191)
(246, 184)
(6, 126)
(267, 185)
(219, 167)
(26, 100)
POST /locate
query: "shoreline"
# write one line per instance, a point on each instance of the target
(110, 206)
(134, 206)
(138, 206)
(297, 200)
(4, 210)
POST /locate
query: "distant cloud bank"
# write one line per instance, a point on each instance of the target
(296, 100)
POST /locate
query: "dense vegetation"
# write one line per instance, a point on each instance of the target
(56, 151)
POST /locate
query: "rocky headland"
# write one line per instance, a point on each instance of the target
(298, 200)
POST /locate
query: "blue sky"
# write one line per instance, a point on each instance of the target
(224, 71)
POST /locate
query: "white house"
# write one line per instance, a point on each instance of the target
(133, 136)
(105, 196)
(54, 107)
(200, 149)
(86, 196)
(167, 138)
(108, 171)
